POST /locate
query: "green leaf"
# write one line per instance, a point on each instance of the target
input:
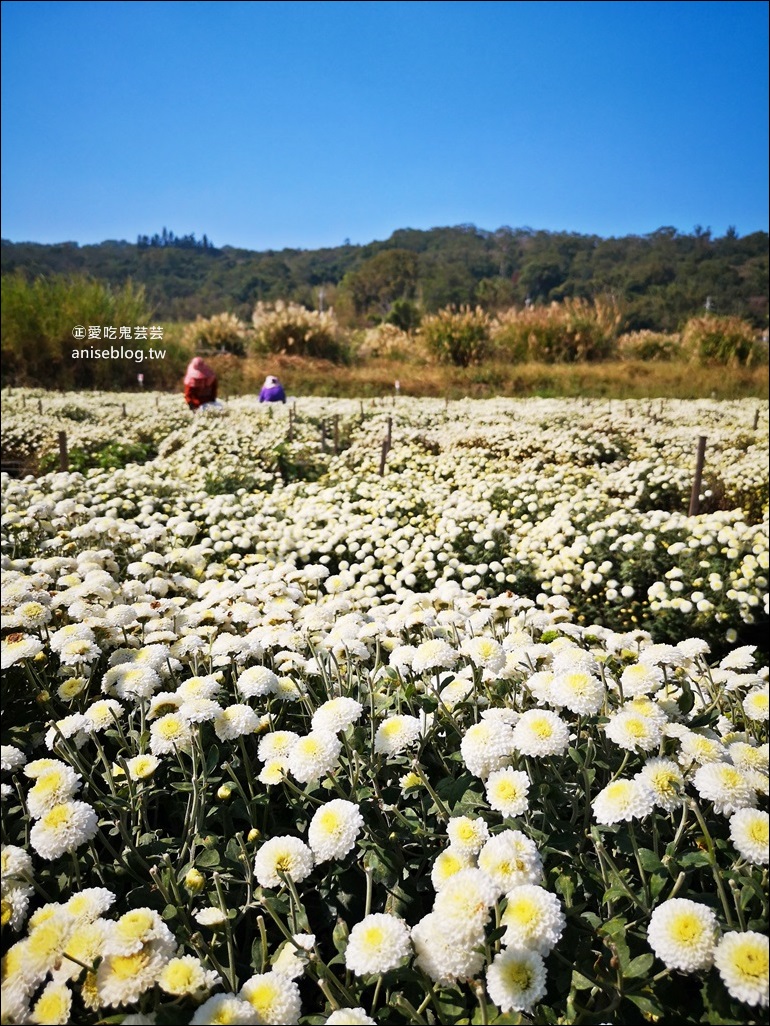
(580, 982)
(207, 859)
(648, 1006)
(639, 966)
(649, 860)
(694, 858)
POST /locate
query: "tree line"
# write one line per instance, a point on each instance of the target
(658, 280)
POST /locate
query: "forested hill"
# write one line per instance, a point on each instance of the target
(661, 278)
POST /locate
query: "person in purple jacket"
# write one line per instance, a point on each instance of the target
(272, 391)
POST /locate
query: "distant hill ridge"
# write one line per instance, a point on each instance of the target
(660, 279)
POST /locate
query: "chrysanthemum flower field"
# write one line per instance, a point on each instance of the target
(299, 730)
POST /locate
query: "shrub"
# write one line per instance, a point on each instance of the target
(723, 340)
(291, 329)
(567, 332)
(385, 340)
(224, 332)
(648, 345)
(460, 337)
(38, 318)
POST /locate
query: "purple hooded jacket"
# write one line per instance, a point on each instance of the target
(272, 391)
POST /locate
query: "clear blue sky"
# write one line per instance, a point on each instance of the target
(304, 124)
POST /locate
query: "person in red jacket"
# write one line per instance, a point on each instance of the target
(200, 384)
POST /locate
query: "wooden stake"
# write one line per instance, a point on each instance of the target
(389, 436)
(362, 411)
(383, 456)
(40, 406)
(756, 418)
(695, 494)
(63, 457)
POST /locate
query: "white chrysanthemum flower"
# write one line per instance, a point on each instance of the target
(516, 980)
(441, 955)
(726, 786)
(314, 755)
(69, 689)
(163, 704)
(225, 1010)
(698, 748)
(579, 691)
(211, 916)
(465, 899)
(186, 976)
(633, 732)
(15, 903)
(641, 679)
(749, 834)
(79, 651)
(749, 757)
(142, 767)
(276, 745)
(168, 733)
(662, 655)
(533, 919)
(467, 835)
(334, 829)
(742, 962)
(623, 800)
(85, 944)
(11, 758)
(256, 682)
(54, 1006)
(350, 1017)
(236, 721)
(138, 928)
(485, 653)
(44, 947)
(132, 681)
(336, 714)
(486, 746)
(447, 863)
(17, 647)
(200, 710)
(101, 715)
(294, 955)
(435, 654)
(274, 997)
(282, 855)
(396, 734)
(88, 904)
(541, 732)
(70, 728)
(510, 859)
(739, 659)
(207, 686)
(507, 791)
(273, 771)
(54, 786)
(683, 934)
(63, 828)
(378, 943)
(756, 705)
(122, 979)
(665, 780)
(540, 686)
(456, 691)
(16, 863)
(37, 766)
